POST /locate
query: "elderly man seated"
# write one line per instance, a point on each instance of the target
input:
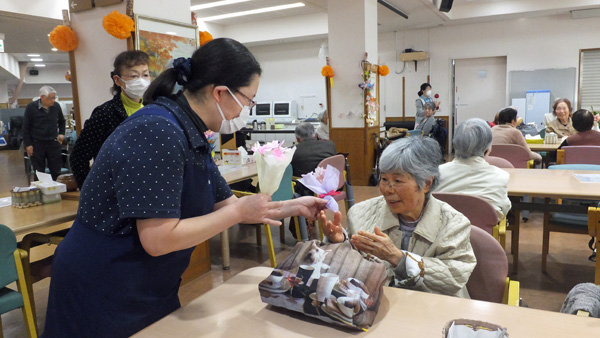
(309, 151)
(583, 121)
(469, 173)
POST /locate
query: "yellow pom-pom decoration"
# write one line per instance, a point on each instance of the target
(384, 70)
(118, 25)
(63, 38)
(205, 37)
(327, 71)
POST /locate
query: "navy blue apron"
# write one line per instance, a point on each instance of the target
(108, 286)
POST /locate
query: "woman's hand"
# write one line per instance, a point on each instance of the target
(308, 206)
(377, 244)
(333, 230)
(258, 209)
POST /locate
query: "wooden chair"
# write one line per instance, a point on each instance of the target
(564, 222)
(594, 231)
(515, 154)
(479, 211)
(498, 162)
(578, 155)
(489, 281)
(12, 271)
(284, 192)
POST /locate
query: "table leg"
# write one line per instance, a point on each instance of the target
(546, 236)
(225, 249)
(514, 242)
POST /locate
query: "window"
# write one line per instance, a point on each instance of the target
(589, 79)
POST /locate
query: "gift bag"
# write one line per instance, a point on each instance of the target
(331, 282)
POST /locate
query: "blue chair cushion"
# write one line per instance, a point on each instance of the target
(10, 300)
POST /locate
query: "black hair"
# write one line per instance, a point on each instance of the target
(423, 87)
(583, 120)
(220, 62)
(128, 59)
(507, 115)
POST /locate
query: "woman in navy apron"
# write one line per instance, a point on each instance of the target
(152, 195)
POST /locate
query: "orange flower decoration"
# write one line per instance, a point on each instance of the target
(327, 71)
(384, 70)
(118, 25)
(63, 38)
(205, 37)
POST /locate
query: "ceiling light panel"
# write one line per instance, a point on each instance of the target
(215, 4)
(251, 12)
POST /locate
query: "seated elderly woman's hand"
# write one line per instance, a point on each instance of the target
(333, 230)
(377, 244)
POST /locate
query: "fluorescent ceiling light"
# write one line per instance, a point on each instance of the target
(39, 65)
(54, 50)
(37, 60)
(254, 11)
(171, 33)
(216, 4)
(33, 55)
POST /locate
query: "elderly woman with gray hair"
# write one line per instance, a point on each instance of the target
(427, 124)
(469, 173)
(424, 242)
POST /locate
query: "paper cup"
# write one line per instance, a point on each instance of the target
(326, 283)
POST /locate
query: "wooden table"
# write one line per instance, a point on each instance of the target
(22, 221)
(545, 184)
(233, 174)
(543, 146)
(234, 309)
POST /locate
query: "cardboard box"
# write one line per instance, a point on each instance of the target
(234, 156)
(50, 188)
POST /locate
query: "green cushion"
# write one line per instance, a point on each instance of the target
(10, 300)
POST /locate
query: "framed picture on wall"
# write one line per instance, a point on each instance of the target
(164, 40)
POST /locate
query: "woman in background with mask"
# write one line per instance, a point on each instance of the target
(153, 194)
(131, 78)
(424, 97)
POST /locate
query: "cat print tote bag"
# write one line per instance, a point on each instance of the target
(332, 282)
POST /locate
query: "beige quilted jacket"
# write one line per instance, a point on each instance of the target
(441, 238)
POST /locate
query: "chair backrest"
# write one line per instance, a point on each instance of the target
(285, 191)
(575, 167)
(8, 245)
(582, 154)
(515, 154)
(479, 211)
(338, 162)
(488, 279)
(498, 162)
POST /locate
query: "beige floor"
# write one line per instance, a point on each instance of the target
(567, 264)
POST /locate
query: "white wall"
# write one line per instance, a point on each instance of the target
(51, 74)
(44, 8)
(174, 10)
(29, 91)
(10, 65)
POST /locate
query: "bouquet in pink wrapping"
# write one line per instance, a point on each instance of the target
(271, 161)
(324, 182)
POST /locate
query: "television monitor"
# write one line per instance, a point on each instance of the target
(262, 110)
(285, 111)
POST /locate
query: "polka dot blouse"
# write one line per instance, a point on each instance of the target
(139, 172)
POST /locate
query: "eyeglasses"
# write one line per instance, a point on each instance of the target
(251, 103)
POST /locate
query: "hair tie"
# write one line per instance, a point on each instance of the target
(183, 67)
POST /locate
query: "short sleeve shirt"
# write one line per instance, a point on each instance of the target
(139, 171)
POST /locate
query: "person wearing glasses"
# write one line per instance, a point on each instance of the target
(131, 78)
(424, 243)
(154, 193)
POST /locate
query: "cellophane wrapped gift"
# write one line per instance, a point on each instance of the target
(323, 182)
(331, 282)
(271, 161)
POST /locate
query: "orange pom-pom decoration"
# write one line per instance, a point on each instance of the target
(118, 25)
(384, 70)
(327, 71)
(63, 38)
(205, 37)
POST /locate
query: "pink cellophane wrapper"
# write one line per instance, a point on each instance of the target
(323, 182)
(271, 161)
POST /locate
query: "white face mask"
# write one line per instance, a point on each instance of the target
(237, 123)
(428, 93)
(136, 88)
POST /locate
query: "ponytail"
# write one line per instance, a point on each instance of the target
(163, 85)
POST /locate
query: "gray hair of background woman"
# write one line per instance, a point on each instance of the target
(430, 105)
(472, 138)
(415, 156)
(304, 131)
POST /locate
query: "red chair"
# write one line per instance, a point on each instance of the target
(578, 155)
(489, 281)
(498, 162)
(479, 211)
(515, 154)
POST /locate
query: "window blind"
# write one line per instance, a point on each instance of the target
(589, 83)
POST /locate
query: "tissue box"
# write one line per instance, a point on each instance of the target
(50, 188)
(231, 156)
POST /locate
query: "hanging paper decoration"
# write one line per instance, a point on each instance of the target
(205, 37)
(118, 25)
(367, 86)
(327, 71)
(68, 76)
(63, 38)
(384, 70)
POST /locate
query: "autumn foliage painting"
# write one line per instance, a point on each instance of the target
(163, 47)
